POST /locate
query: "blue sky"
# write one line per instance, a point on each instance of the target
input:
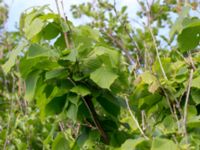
(16, 7)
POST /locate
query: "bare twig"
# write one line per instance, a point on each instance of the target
(143, 120)
(186, 104)
(61, 126)
(191, 62)
(120, 44)
(127, 32)
(134, 119)
(65, 33)
(65, 16)
(157, 53)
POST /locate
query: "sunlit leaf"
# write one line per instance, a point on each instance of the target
(13, 56)
(163, 144)
(104, 77)
(60, 143)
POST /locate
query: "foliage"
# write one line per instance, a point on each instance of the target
(108, 84)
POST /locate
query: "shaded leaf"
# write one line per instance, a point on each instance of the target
(55, 74)
(31, 83)
(72, 112)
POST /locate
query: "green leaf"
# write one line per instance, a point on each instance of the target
(163, 144)
(149, 100)
(153, 87)
(60, 143)
(31, 83)
(194, 122)
(72, 112)
(196, 82)
(166, 63)
(195, 93)
(50, 31)
(178, 24)
(13, 56)
(81, 90)
(64, 26)
(55, 73)
(74, 99)
(104, 77)
(131, 144)
(34, 28)
(55, 106)
(189, 38)
(28, 65)
(36, 50)
(147, 77)
(109, 105)
(108, 56)
(72, 56)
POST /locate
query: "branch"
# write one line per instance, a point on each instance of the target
(88, 103)
(65, 33)
(119, 44)
(157, 53)
(135, 120)
(186, 104)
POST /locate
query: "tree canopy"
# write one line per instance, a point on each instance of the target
(113, 83)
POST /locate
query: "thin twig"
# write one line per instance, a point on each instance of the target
(119, 44)
(157, 53)
(191, 62)
(186, 104)
(65, 33)
(143, 119)
(127, 32)
(135, 120)
(65, 16)
(148, 12)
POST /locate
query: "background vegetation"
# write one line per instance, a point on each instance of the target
(113, 83)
